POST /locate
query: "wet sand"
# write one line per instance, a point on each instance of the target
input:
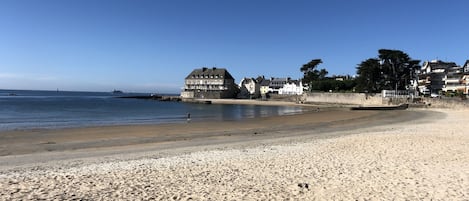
(327, 155)
(118, 139)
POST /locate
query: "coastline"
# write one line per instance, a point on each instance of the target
(168, 135)
(21, 147)
(413, 154)
(17, 142)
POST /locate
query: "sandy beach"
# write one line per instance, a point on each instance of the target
(418, 154)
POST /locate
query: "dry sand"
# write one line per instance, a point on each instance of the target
(419, 159)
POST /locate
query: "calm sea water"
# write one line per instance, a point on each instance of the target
(20, 110)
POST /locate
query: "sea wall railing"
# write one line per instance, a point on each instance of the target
(395, 94)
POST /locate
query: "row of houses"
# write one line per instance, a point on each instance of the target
(433, 78)
(261, 87)
(438, 77)
(215, 83)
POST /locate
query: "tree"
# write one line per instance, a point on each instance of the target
(311, 73)
(393, 70)
(331, 84)
(369, 76)
(397, 67)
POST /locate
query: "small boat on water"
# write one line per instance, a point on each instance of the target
(397, 107)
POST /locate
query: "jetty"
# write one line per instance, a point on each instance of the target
(155, 97)
(193, 100)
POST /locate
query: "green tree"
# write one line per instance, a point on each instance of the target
(369, 76)
(329, 84)
(397, 68)
(311, 73)
(393, 70)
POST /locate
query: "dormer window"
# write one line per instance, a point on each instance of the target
(216, 76)
(211, 76)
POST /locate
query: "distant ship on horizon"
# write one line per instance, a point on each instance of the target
(117, 92)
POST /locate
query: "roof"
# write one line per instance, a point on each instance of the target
(265, 82)
(280, 79)
(467, 63)
(210, 72)
(247, 80)
(296, 82)
(440, 64)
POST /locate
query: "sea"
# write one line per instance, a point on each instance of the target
(32, 109)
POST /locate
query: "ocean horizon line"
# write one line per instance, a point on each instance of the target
(85, 91)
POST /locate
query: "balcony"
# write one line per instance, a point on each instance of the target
(452, 81)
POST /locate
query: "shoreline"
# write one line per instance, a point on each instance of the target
(51, 137)
(419, 154)
(30, 147)
(371, 162)
(17, 142)
(277, 103)
(173, 120)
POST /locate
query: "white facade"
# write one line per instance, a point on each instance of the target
(251, 86)
(433, 76)
(291, 88)
(453, 80)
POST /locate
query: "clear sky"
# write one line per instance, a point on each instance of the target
(151, 45)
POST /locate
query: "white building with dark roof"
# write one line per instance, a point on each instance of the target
(453, 82)
(285, 86)
(432, 77)
(292, 87)
(249, 88)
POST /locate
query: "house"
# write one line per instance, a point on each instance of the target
(249, 88)
(453, 82)
(214, 83)
(466, 67)
(264, 88)
(276, 84)
(292, 87)
(285, 86)
(432, 76)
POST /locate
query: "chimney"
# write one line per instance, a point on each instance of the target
(204, 69)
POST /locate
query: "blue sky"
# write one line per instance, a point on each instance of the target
(151, 45)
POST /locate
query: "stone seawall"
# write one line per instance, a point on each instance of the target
(454, 103)
(362, 99)
(344, 98)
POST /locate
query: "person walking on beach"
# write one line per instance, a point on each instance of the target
(188, 117)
